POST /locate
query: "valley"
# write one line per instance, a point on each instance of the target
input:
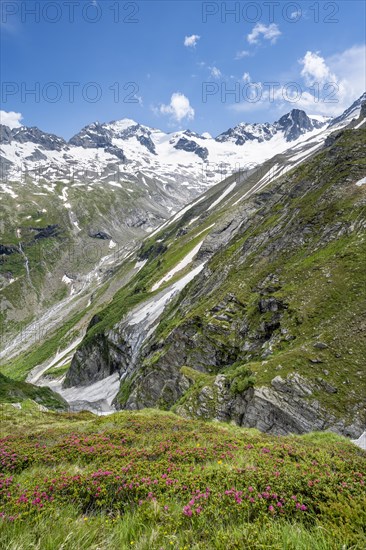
(200, 313)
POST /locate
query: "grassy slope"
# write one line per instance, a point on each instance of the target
(152, 480)
(14, 391)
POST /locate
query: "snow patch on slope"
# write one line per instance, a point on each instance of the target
(181, 265)
(150, 311)
(361, 182)
(225, 193)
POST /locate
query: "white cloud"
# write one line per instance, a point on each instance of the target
(315, 69)
(296, 15)
(11, 119)
(246, 77)
(271, 33)
(350, 66)
(191, 41)
(179, 107)
(324, 86)
(215, 72)
(339, 78)
(242, 54)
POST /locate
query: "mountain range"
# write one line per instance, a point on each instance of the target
(238, 301)
(123, 148)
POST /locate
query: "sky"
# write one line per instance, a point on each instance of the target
(174, 65)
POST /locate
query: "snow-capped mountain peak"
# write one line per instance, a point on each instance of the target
(353, 112)
(295, 123)
(126, 147)
(123, 124)
(291, 125)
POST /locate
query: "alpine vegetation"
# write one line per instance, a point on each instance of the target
(182, 311)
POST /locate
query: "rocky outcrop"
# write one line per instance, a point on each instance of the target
(100, 235)
(242, 133)
(7, 250)
(25, 134)
(37, 155)
(296, 123)
(147, 142)
(47, 232)
(98, 136)
(92, 136)
(287, 406)
(117, 152)
(191, 146)
(5, 134)
(96, 361)
(292, 125)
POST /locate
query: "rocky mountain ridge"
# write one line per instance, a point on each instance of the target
(124, 146)
(205, 356)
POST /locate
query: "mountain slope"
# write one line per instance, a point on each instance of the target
(16, 392)
(180, 251)
(256, 334)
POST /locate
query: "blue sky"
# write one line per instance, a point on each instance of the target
(172, 65)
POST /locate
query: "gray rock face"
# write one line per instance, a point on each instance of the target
(320, 345)
(147, 142)
(191, 146)
(5, 134)
(117, 152)
(52, 230)
(7, 250)
(270, 304)
(101, 235)
(294, 385)
(102, 361)
(191, 134)
(26, 134)
(92, 136)
(292, 125)
(296, 123)
(248, 132)
(363, 110)
(36, 156)
(98, 136)
(285, 407)
(5, 166)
